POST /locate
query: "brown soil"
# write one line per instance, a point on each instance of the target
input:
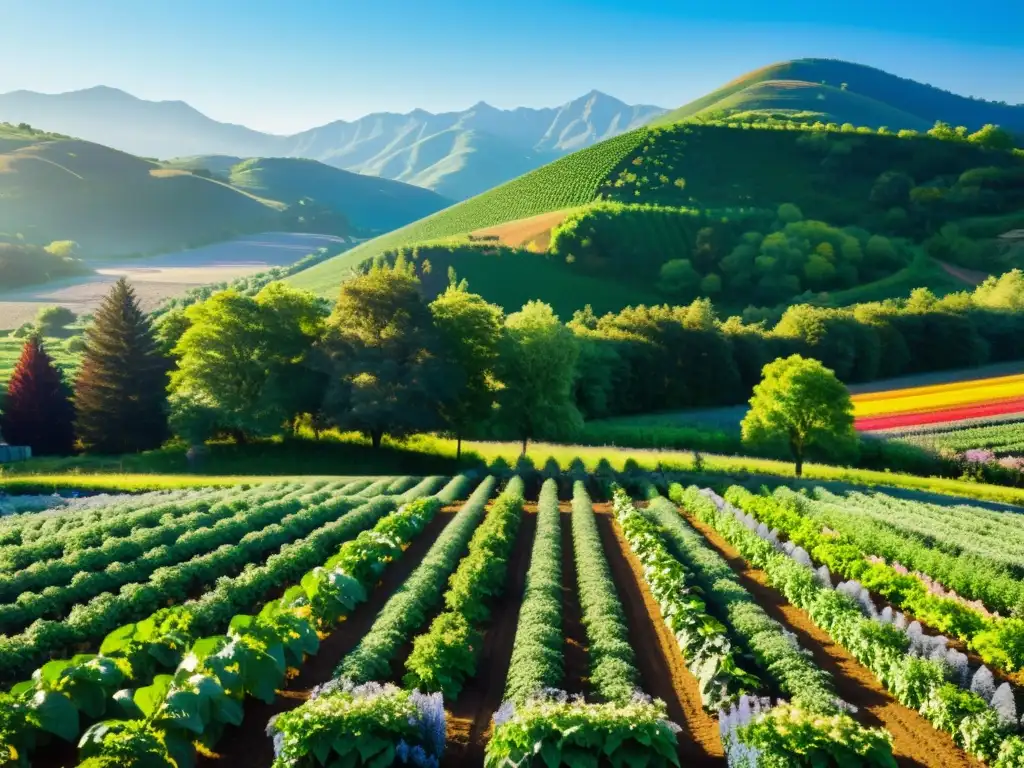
(663, 673)
(469, 716)
(915, 741)
(248, 745)
(574, 652)
(534, 232)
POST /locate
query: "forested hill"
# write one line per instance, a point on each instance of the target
(745, 213)
(841, 91)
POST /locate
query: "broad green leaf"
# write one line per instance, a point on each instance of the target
(57, 715)
(150, 697)
(117, 640)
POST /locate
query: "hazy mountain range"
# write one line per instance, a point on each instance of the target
(457, 154)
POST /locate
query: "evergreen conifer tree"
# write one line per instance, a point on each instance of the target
(121, 391)
(38, 410)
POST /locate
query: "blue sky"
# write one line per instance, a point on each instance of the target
(283, 66)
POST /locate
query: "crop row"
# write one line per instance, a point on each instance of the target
(69, 514)
(815, 723)
(88, 622)
(80, 538)
(703, 640)
(999, 642)
(447, 653)
(537, 653)
(614, 676)
(536, 718)
(208, 689)
(87, 573)
(966, 549)
(386, 721)
(920, 671)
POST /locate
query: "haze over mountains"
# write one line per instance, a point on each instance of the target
(457, 154)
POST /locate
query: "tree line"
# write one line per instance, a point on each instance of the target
(386, 360)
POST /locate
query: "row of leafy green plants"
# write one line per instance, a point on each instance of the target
(999, 641)
(161, 719)
(977, 553)
(920, 671)
(51, 587)
(537, 719)
(813, 728)
(94, 615)
(389, 724)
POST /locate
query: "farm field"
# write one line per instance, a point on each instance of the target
(158, 278)
(939, 403)
(428, 615)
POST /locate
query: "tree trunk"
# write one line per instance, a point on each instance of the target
(796, 447)
(375, 438)
(239, 436)
(799, 466)
(458, 447)
(524, 446)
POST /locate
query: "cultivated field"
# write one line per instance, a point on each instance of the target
(486, 591)
(158, 278)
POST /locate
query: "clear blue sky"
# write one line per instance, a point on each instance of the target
(283, 66)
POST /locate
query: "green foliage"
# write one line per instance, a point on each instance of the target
(407, 610)
(613, 673)
(566, 732)
(537, 366)
(703, 640)
(51, 321)
(23, 264)
(375, 719)
(788, 736)
(802, 402)
(536, 661)
(120, 395)
(810, 688)
(470, 332)
(446, 654)
(567, 182)
(242, 362)
(386, 376)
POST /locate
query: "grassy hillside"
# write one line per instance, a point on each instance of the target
(796, 99)
(567, 182)
(114, 203)
(745, 214)
(874, 98)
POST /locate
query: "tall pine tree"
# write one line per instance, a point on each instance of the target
(38, 410)
(121, 391)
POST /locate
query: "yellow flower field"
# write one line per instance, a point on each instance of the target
(938, 397)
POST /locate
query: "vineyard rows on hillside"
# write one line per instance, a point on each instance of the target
(572, 620)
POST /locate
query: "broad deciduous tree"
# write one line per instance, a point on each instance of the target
(386, 377)
(243, 362)
(120, 393)
(537, 367)
(802, 402)
(470, 331)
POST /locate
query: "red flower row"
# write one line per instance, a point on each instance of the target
(913, 419)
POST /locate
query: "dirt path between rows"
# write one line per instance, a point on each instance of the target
(248, 744)
(574, 651)
(663, 673)
(469, 716)
(915, 741)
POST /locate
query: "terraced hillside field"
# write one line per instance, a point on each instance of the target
(480, 620)
(745, 213)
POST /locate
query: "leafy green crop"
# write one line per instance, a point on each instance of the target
(446, 654)
(536, 661)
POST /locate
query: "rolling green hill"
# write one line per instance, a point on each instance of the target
(371, 204)
(113, 203)
(853, 93)
(747, 214)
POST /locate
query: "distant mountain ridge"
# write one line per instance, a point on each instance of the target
(457, 154)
